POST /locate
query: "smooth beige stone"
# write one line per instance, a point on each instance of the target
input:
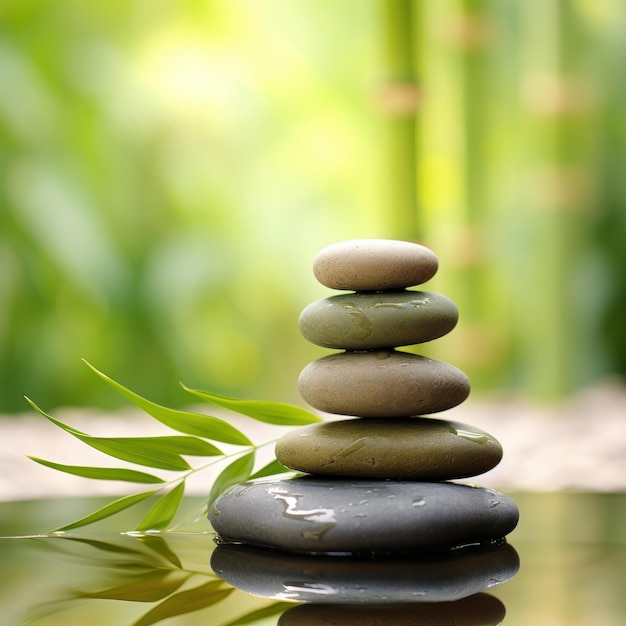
(382, 383)
(374, 264)
(416, 448)
(363, 321)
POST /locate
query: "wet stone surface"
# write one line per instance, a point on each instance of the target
(426, 449)
(382, 383)
(320, 515)
(363, 321)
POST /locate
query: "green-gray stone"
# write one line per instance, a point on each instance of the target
(363, 321)
(412, 449)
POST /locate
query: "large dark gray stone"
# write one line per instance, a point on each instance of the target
(320, 515)
(409, 448)
(364, 321)
(442, 577)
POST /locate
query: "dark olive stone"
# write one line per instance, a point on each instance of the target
(345, 580)
(415, 449)
(363, 321)
(322, 515)
(382, 383)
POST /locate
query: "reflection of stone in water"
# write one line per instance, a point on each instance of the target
(439, 577)
(477, 610)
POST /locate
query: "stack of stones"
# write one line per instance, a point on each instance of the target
(380, 480)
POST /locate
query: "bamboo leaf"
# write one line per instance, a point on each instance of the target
(235, 473)
(101, 473)
(149, 587)
(140, 450)
(270, 412)
(162, 513)
(106, 511)
(186, 602)
(272, 468)
(267, 611)
(183, 421)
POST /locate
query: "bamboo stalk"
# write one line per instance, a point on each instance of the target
(558, 170)
(400, 99)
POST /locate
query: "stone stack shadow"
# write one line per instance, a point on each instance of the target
(377, 480)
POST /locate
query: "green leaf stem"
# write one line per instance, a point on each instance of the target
(183, 421)
(101, 473)
(277, 413)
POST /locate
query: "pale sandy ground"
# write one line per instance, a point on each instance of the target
(578, 444)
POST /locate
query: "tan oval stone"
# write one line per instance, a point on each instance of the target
(374, 264)
(364, 321)
(382, 383)
(418, 448)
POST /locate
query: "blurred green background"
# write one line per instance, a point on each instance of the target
(169, 168)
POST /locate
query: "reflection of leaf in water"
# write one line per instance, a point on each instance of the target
(158, 544)
(145, 568)
(148, 587)
(267, 611)
(186, 601)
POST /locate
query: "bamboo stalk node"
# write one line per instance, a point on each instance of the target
(552, 95)
(470, 31)
(564, 188)
(399, 99)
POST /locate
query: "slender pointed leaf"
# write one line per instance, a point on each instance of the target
(101, 473)
(152, 586)
(233, 474)
(162, 513)
(157, 544)
(272, 468)
(106, 511)
(183, 421)
(276, 608)
(186, 602)
(269, 412)
(140, 450)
